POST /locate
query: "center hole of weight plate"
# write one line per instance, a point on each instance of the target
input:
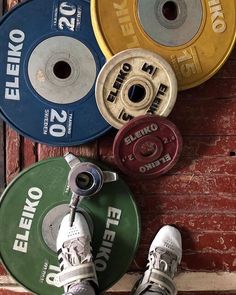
(148, 149)
(136, 93)
(84, 180)
(170, 10)
(62, 70)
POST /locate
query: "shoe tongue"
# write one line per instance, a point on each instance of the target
(76, 251)
(164, 261)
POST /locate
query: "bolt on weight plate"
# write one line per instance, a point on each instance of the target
(133, 83)
(35, 203)
(147, 146)
(48, 73)
(195, 37)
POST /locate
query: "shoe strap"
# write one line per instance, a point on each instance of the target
(162, 279)
(159, 278)
(75, 273)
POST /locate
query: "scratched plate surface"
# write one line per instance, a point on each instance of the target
(48, 73)
(31, 209)
(196, 41)
(133, 83)
(148, 146)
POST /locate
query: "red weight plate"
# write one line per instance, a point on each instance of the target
(147, 146)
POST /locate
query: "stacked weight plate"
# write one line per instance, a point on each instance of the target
(195, 37)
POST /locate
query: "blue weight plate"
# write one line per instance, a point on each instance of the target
(49, 64)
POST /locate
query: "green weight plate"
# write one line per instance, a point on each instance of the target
(32, 207)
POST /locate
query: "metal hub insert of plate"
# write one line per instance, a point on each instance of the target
(196, 37)
(171, 23)
(133, 83)
(147, 146)
(85, 180)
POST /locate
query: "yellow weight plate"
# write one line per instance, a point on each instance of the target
(195, 37)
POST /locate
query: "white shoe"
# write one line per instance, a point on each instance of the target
(165, 254)
(74, 253)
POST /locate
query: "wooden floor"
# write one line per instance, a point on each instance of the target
(198, 195)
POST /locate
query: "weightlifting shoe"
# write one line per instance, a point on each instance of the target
(74, 253)
(165, 254)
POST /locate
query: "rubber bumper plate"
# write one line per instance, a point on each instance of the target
(49, 63)
(32, 208)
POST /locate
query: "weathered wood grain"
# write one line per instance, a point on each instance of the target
(88, 150)
(2, 270)
(214, 116)
(190, 223)
(13, 151)
(11, 3)
(2, 156)
(199, 261)
(186, 203)
(28, 152)
(186, 184)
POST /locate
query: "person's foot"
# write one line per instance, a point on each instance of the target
(165, 254)
(74, 254)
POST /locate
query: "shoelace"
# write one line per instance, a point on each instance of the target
(77, 251)
(163, 260)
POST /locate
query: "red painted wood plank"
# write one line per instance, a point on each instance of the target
(191, 222)
(209, 242)
(211, 165)
(12, 3)
(7, 292)
(45, 152)
(233, 54)
(208, 146)
(185, 184)
(2, 270)
(29, 153)
(211, 262)
(198, 242)
(13, 147)
(105, 144)
(187, 203)
(2, 155)
(89, 150)
(228, 70)
(214, 88)
(205, 117)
